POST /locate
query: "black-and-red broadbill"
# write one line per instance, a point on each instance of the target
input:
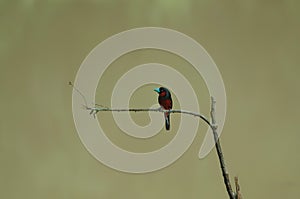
(165, 101)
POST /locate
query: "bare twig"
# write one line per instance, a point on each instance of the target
(212, 125)
(95, 110)
(219, 151)
(238, 189)
(78, 91)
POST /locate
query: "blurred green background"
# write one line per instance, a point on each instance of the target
(255, 44)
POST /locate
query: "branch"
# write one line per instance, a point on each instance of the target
(95, 110)
(225, 174)
(212, 125)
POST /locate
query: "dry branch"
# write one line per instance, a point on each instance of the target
(219, 151)
(212, 124)
(95, 110)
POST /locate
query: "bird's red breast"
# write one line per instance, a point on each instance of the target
(166, 103)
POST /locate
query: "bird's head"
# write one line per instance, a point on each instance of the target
(162, 91)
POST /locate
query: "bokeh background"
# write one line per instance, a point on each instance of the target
(255, 44)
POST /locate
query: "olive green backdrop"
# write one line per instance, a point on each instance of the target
(255, 44)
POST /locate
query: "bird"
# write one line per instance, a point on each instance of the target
(165, 101)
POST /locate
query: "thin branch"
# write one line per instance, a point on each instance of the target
(78, 91)
(219, 151)
(212, 125)
(95, 110)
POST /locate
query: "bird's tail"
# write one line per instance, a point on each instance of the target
(167, 119)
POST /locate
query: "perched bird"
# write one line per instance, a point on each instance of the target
(165, 101)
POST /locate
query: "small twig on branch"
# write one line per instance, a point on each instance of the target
(78, 91)
(238, 189)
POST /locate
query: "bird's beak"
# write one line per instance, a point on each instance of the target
(156, 90)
